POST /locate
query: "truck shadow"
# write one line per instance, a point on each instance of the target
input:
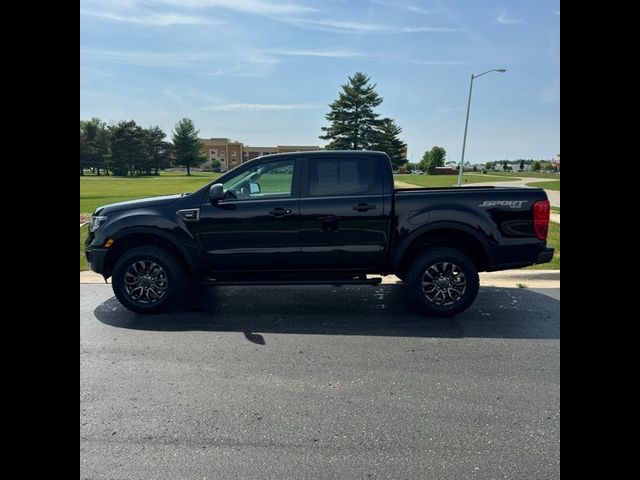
(349, 310)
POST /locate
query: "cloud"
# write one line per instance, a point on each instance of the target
(239, 63)
(185, 12)
(410, 8)
(429, 29)
(155, 19)
(318, 53)
(340, 26)
(254, 7)
(416, 9)
(96, 73)
(234, 107)
(502, 17)
(145, 58)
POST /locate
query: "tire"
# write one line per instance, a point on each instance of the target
(148, 279)
(451, 282)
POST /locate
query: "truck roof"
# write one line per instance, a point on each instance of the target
(326, 153)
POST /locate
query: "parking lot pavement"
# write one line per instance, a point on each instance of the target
(320, 382)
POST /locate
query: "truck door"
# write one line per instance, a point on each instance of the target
(256, 226)
(342, 215)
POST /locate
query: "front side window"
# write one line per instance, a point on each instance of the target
(333, 176)
(268, 180)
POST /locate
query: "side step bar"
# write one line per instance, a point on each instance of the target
(354, 281)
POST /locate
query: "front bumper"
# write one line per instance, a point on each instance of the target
(545, 256)
(96, 258)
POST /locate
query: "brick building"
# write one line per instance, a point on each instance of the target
(230, 153)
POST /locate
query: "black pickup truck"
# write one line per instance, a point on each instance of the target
(326, 217)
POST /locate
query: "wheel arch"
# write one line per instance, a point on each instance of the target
(138, 237)
(450, 234)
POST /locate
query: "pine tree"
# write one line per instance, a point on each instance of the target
(389, 142)
(187, 146)
(159, 149)
(354, 124)
(128, 149)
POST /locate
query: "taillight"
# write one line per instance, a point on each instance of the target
(541, 213)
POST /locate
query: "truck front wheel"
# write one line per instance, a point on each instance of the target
(148, 279)
(444, 282)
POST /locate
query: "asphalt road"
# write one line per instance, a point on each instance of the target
(320, 382)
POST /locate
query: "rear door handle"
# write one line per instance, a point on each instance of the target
(280, 212)
(363, 207)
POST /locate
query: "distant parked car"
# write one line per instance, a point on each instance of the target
(416, 172)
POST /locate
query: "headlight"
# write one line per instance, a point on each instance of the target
(96, 222)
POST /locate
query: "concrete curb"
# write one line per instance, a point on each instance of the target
(506, 279)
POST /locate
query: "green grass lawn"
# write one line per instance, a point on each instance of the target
(96, 191)
(84, 231)
(444, 180)
(526, 174)
(555, 209)
(548, 185)
(553, 240)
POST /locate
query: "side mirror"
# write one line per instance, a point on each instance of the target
(216, 192)
(254, 187)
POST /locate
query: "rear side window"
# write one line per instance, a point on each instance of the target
(333, 176)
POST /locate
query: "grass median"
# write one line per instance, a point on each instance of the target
(547, 185)
(443, 180)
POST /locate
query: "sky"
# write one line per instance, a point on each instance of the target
(263, 72)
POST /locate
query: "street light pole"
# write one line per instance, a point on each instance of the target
(466, 123)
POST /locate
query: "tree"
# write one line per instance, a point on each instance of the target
(505, 165)
(354, 124)
(521, 165)
(129, 151)
(159, 149)
(85, 153)
(187, 146)
(215, 166)
(94, 144)
(432, 158)
(535, 166)
(389, 142)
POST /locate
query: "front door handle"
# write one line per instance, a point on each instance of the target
(363, 207)
(280, 212)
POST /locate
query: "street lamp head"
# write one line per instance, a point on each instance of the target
(501, 70)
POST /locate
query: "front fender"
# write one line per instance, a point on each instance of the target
(174, 233)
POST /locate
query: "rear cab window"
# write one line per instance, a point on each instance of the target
(341, 176)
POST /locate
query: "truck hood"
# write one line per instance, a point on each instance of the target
(141, 203)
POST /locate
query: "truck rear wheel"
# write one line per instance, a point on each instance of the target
(148, 279)
(444, 282)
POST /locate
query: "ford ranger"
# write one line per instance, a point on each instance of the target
(326, 217)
